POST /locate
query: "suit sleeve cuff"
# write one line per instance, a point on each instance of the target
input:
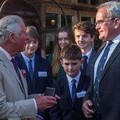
(35, 105)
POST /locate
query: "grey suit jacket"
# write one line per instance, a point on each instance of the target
(13, 96)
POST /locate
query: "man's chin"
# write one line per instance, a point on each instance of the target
(72, 75)
(30, 53)
(82, 47)
(102, 38)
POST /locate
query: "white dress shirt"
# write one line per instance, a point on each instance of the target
(77, 78)
(112, 48)
(88, 54)
(26, 59)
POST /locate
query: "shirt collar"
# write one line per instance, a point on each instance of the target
(26, 57)
(88, 54)
(116, 40)
(5, 53)
(76, 78)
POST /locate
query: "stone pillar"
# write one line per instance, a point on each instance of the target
(41, 11)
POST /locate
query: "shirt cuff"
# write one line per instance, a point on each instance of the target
(35, 105)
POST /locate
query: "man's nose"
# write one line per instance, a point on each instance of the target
(80, 38)
(97, 26)
(31, 44)
(70, 66)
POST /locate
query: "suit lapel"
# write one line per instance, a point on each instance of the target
(23, 66)
(23, 87)
(13, 73)
(111, 59)
(66, 88)
(97, 55)
(36, 64)
(11, 69)
(81, 82)
(92, 56)
(22, 62)
(99, 51)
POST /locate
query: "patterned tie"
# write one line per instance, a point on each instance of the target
(15, 64)
(84, 64)
(99, 72)
(30, 69)
(74, 96)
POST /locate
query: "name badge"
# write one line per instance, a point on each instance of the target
(42, 74)
(81, 94)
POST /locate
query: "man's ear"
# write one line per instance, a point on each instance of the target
(117, 22)
(12, 37)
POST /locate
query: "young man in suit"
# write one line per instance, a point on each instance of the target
(84, 36)
(14, 97)
(102, 101)
(71, 87)
(41, 75)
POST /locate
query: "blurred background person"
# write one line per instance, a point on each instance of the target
(63, 38)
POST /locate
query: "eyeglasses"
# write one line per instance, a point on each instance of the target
(100, 22)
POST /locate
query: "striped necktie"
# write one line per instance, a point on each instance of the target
(99, 72)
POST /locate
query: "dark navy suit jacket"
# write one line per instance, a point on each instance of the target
(109, 88)
(90, 63)
(66, 109)
(40, 82)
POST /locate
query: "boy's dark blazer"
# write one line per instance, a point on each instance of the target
(65, 109)
(39, 83)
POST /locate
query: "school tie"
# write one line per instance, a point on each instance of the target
(30, 69)
(74, 96)
(99, 72)
(15, 64)
(84, 64)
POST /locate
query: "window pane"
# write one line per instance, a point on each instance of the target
(68, 19)
(85, 19)
(51, 21)
(94, 2)
(82, 1)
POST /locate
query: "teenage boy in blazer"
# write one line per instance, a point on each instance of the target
(84, 33)
(41, 75)
(68, 108)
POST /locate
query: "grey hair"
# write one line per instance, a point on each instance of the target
(10, 23)
(113, 9)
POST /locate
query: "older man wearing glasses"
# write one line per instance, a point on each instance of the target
(102, 101)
